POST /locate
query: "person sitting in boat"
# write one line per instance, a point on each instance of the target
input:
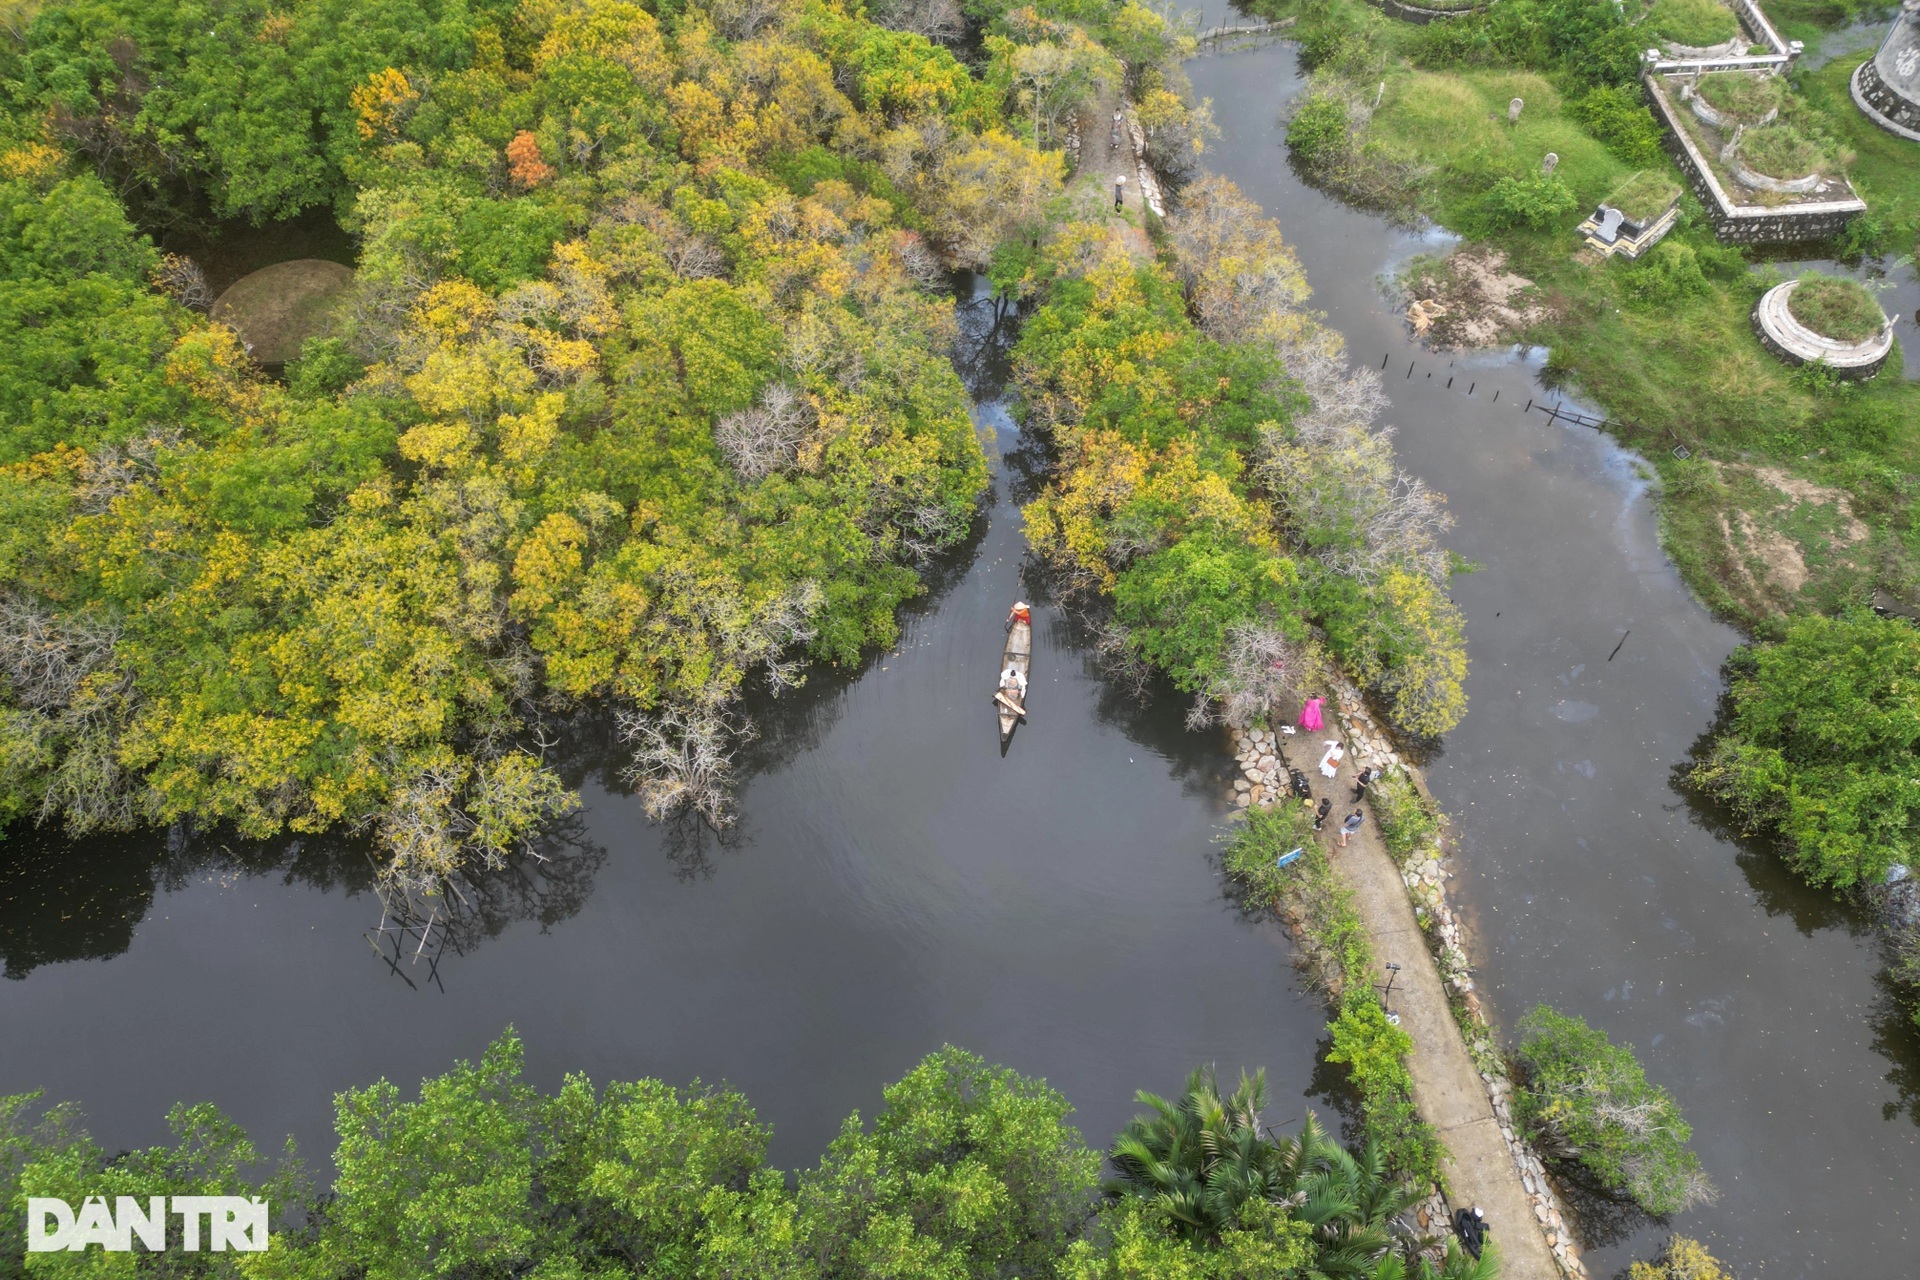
(1014, 684)
(1019, 613)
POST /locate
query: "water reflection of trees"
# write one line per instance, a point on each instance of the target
(546, 883)
(1776, 886)
(1781, 892)
(1142, 705)
(1897, 1039)
(1600, 1219)
(64, 899)
(986, 328)
(70, 899)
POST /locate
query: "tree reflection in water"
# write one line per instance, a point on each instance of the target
(63, 899)
(81, 899)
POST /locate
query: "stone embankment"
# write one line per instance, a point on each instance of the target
(1460, 1077)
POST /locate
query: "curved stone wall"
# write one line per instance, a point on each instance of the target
(1420, 15)
(1887, 86)
(1793, 342)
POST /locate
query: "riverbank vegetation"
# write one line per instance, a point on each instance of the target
(1332, 946)
(1586, 1100)
(1822, 744)
(968, 1170)
(642, 394)
(1221, 481)
(1819, 750)
(1786, 493)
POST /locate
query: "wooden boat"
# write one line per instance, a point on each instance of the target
(1019, 656)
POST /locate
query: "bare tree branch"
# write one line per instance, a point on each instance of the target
(761, 440)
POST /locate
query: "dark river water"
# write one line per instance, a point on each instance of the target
(896, 883)
(1593, 884)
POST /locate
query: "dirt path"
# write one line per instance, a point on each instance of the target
(1106, 153)
(1446, 1085)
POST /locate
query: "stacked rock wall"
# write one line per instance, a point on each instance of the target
(1737, 223)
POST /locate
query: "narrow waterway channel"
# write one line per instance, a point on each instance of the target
(1593, 884)
(895, 883)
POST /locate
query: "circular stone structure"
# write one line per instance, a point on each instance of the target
(1887, 85)
(1793, 342)
(279, 307)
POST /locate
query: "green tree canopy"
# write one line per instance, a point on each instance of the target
(1820, 745)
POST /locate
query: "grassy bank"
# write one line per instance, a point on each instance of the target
(1796, 494)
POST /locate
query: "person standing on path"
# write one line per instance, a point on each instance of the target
(1330, 762)
(1360, 784)
(1310, 718)
(1320, 814)
(1119, 190)
(1351, 825)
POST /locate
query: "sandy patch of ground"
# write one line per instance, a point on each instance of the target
(1786, 567)
(1470, 299)
(1853, 530)
(1782, 531)
(279, 307)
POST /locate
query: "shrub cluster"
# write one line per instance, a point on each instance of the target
(1682, 1259)
(1618, 118)
(1822, 745)
(1586, 1099)
(1408, 823)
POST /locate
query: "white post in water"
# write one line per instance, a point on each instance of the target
(1513, 110)
(1546, 165)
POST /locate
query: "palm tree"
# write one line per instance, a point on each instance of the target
(1458, 1265)
(1352, 1205)
(1203, 1158)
